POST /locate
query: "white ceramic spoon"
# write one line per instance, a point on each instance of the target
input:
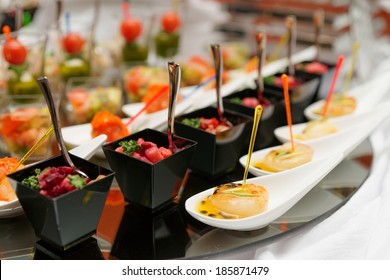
(285, 190)
(379, 113)
(341, 143)
(367, 96)
(86, 151)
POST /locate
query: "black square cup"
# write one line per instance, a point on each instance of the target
(150, 184)
(325, 78)
(300, 96)
(273, 116)
(68, 219)
(216, 154)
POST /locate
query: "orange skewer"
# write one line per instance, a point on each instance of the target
(162, 91)
(340, 61)
(288, 108)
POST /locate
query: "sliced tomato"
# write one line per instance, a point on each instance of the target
(153, 154)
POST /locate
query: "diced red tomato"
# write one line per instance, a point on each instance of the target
(165, 152)
(147, 144)
(153, 154)
(119, 150)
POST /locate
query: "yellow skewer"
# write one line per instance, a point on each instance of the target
(256, 120)
(351, 68)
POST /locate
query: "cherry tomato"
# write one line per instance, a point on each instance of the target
(170, 21)
(73, 42)
(131, 28)
(14, 52)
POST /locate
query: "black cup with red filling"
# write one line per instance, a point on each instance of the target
(149, 175)
(217, 152)
(69, 217)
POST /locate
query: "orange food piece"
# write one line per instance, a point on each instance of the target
(159, 104)
(7, 165)
(109, 124)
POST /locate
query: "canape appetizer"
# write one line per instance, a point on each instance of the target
(340, 105)
(109, 124)
(283, 158)
(131, 29)
(20, 78)
(143, 150)
(316, 129)
(86, 103)
(234, 201)
(167, 39)
(212, 125)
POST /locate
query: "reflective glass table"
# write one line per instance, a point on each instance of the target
(127, 231)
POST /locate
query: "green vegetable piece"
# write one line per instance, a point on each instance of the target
(77, 181)
(269, 80)
(195, 122)
(130, 146)
(32, 181)
(236, 100)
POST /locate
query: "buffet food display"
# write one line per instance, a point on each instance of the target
(150, 168)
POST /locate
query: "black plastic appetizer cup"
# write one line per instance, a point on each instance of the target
(301, 96)
(150, 184)
(70, 218)
(325, 78)
(216, 154)
(273, 116)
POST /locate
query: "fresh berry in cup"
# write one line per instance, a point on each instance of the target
(131, 29)
(73, 42)
(170, 21)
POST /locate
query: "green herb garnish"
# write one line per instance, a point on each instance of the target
(77, 181)
(269, 80)
(32, 181)
(130, 146)
(236, 100)
(194, 122)
(238, 192)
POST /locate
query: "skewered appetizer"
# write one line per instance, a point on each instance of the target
(109, 124)
(339, 105)
(161, 102)
(316, 129)
(234, 201)
(284, 158)
(131, 29)
(167, 39)
(73, 65)
(20, 80)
